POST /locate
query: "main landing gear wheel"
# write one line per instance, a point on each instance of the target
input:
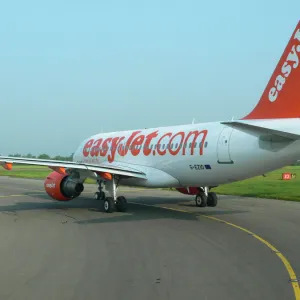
(113, 202)
(121, 204)
(99, 195)
(212, 199)
(201, 199)
(109, 204)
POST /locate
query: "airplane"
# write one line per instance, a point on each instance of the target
(192, 158)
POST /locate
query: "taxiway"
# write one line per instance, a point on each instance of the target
(52, 250)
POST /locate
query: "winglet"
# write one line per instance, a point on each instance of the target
(281, 98)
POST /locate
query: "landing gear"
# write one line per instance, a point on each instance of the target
(113, 202)
(121, 204)
(205, 198)
(212, 199)
(201, 199)
(109, 204)
(99, 195)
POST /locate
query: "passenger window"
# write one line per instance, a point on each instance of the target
(205, 145)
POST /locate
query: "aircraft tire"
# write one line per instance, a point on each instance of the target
(108, 204)
(201, 199)
(212, 199)
(121, 204)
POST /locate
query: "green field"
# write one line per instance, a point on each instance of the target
(32, 172)
(271, 186)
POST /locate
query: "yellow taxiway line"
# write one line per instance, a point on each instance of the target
(284, 260)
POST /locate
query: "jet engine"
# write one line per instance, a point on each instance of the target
(61, 187)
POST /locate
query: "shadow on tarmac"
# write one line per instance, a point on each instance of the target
(135, 212)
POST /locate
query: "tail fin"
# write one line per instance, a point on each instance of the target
(281, 98)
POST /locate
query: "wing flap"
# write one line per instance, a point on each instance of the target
(117, 170)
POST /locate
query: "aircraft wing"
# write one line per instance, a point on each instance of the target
(7, 162)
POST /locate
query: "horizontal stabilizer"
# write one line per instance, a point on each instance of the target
(259, 129)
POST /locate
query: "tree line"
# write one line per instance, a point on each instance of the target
(44, 156)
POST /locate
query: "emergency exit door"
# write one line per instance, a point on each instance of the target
(223, 147)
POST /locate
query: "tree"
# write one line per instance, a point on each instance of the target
(44, 156)
(15, 155)
(29, 155)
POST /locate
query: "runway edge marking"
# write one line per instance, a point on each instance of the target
(293, 278)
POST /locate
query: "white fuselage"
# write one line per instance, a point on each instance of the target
(206, 154)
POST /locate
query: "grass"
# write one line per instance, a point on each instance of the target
(271, 186)
(31, 172)
(35, 172)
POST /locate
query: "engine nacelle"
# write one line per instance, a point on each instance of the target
(62, 187)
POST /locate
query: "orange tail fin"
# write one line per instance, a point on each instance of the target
(281, 98)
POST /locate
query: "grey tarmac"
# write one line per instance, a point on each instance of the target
(73, 250)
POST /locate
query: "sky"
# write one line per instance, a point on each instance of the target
(71, 69)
